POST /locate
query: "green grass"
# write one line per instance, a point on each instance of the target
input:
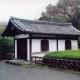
(70, 54)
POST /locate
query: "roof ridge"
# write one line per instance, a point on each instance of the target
(75, 29)
(42, 22)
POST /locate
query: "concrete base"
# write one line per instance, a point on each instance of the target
(18, 62)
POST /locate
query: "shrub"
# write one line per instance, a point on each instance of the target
(70, 54)
(6, 47)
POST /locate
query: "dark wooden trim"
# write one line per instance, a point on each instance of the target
(14, 47)
(30, 48)
(59, 37)
(50, 38)
(56, 38)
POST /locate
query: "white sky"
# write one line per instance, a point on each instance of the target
(27, 9)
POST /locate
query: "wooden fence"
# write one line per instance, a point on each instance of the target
(62, 63)
(37, 60)
(57, 63)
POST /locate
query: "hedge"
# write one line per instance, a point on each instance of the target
(6, 47)
(69, 54)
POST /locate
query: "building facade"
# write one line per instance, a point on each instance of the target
(40, 36)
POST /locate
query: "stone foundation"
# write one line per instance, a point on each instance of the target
(62, 63)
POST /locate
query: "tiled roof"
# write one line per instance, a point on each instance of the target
(44, 27)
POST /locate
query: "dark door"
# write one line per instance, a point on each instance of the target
(22, 49)
(44, 45)
(67, 44)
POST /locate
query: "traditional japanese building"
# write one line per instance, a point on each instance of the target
(40, 36)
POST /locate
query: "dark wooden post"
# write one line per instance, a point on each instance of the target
(14, 47)
(57, 44)
(3, 47)
(30, 48)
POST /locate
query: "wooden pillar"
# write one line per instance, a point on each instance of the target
(57, 44)
(28, 52)
(15, 49)
(30, 48)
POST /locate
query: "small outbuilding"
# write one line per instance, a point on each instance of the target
(40, 36)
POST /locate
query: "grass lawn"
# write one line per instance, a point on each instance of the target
(70, 54)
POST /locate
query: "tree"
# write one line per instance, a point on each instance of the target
(71, 10)
(64, 11)
(53, 13)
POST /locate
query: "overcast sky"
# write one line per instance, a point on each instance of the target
(27, 9)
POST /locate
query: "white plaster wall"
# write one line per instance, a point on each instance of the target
(61, 45)
(52, 45)
(36, 45)
(74, 44)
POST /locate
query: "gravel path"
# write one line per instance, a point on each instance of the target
(11, 72)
